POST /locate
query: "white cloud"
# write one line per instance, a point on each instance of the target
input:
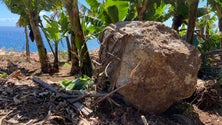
(9, 19)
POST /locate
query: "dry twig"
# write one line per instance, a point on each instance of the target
(76, 105)
(144, 120)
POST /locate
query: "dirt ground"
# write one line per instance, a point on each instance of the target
(23, 102)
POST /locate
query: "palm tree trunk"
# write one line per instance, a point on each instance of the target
(44, 61)
(27, 45)
(192, 19)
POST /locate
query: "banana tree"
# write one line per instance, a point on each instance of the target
(207, 34)
(24, 22)
(55, 33)
(154, 10)
(216, 6)
(181, 13)
(66, 29)
(101, 14)
(78, 41)
(32, 9)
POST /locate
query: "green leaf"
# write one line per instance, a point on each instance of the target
(113, 13)
(63, 22)
(159, 10)
(94, 4)
(53, 30)
(71, 86)
(3, 75)
(77, 84)
(122, 7)
(66, 82)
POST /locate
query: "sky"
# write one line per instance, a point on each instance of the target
(6, 17)
(9, 19)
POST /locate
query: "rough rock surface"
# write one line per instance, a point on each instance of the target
(157, 66)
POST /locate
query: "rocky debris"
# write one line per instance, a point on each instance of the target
(159, 68)
(211, 64)
(206, 94)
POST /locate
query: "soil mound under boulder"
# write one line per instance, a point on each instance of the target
(157, 66)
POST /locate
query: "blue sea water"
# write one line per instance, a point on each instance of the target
(13, 39)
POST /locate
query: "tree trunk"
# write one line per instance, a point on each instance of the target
(44, 61)
(27, 45)
(47, 39)
(85, 61)
(68, 48)
(220, 29)
(141, 9)
(192, 19)
(75, 69)
(56, 59)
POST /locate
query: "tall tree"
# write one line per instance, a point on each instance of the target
(79, 39)
(75, 69)
(44, 61)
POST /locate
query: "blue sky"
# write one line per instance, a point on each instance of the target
(6, 17)
(9, 19)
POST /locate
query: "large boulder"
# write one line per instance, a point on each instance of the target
(157, 66)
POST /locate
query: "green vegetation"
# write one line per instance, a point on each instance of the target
(79, 23)
(81, 83)
(3, 75)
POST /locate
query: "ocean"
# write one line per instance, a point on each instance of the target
(13, 39)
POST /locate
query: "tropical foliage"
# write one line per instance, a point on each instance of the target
(83, 22)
